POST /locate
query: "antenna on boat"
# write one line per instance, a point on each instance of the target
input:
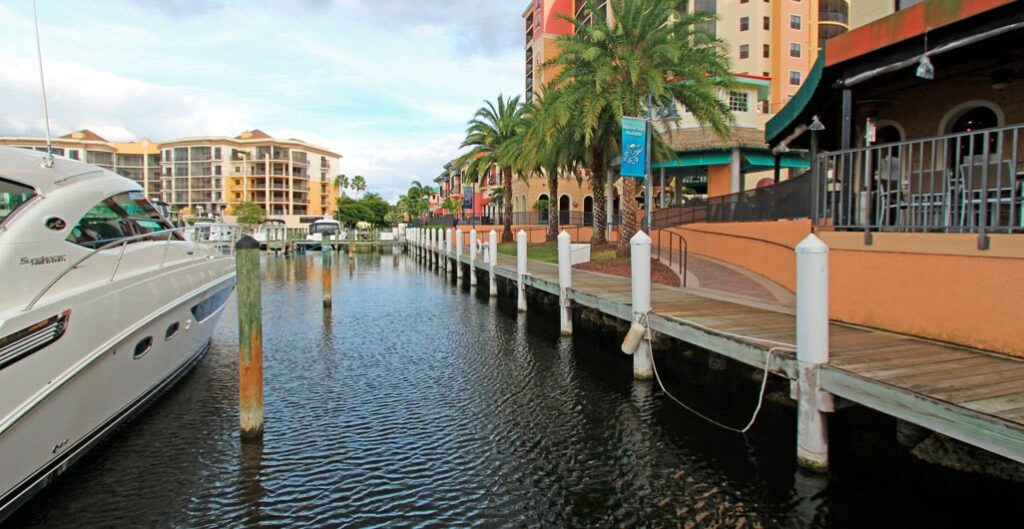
(48, 160)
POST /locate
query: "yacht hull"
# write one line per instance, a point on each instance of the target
(123, 345)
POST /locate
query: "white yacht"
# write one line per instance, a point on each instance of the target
(328, 229)
(104, 305)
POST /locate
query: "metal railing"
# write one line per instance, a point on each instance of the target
(683, 251)
(790, 199)
(224, 248)
(970, 182)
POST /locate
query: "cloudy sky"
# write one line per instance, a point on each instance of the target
(389, 84)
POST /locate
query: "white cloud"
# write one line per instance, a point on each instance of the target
(116, 107)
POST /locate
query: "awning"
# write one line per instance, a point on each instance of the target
(695, 159)
(786, 117)
(793, 161)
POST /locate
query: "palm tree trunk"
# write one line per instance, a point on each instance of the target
(553, 213)
(506, 199)
(597, 183)
(630, 224)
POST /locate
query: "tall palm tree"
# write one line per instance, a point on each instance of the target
(342, 182)
(546, 146)
(358, 184)
(493, 125)
(611, 66)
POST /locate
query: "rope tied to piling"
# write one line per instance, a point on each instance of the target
(779, 346)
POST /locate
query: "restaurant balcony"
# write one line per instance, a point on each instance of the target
(969, 182)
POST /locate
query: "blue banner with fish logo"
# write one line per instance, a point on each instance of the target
(634, 147)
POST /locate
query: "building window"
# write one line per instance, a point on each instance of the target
(766, 51)
(744, 51)
(744, 1)
(767, 22)
(794, 77)
(739, 101)
(216, 152)
(794, 49)
(744, 23)
(794, 21)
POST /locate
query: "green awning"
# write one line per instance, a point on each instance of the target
(782, 121)
(695, 159)
(788, 161)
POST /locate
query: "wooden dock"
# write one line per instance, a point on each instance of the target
(973, 396)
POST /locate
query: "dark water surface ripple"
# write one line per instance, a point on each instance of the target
(416, 403)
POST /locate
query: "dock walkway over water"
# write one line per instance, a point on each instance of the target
(970, 395)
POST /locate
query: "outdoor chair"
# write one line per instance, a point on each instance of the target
(992, 185)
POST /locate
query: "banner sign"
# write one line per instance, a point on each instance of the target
(467, 197)
(634, 147)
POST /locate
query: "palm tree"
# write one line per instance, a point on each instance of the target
(358, 184)
(342, 182)
(493, 125)
(610, 67)
(545, 146)
(417, 199)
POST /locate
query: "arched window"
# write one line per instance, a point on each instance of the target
(588, 210)
(975, 119)
(564, 208)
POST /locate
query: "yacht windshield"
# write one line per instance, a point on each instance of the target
(118, 217)
(12, 196)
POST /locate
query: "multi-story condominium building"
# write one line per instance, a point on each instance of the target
(209, 176)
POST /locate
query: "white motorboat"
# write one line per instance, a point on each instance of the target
(326, 229)
(104, 305)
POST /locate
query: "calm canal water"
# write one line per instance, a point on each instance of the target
(416, 403)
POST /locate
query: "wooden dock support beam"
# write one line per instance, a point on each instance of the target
(564, 282)
(492, 247)
(472, 257)
(640, 264)
(250, 339)
(458, 253)
(326, 273)
(521, 270)
(812, 352)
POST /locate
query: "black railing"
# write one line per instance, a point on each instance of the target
(790, 199)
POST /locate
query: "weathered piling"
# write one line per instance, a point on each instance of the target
(326, 251)
(640, 265)
(472, 257)
(250, 339)
(492, 245)
(565, 282)
(812, 352)
(521, 270)
(447, 249)
(458, 253)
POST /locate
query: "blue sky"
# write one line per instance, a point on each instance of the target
(389, 84)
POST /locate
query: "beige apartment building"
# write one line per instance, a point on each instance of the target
(208, 176)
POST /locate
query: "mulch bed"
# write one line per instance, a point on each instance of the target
(620, 266)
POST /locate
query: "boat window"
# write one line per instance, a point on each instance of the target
(12, 196)
(211, 305)
(120, 216)
(143, 347)
(172, 331)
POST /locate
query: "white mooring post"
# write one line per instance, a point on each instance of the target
(812, 352)
(472, 257)
(492, 247)
(434, 234)
(442, 256)
(458, 253)
(565, 281)
(447, 248)
(640, 263)
(521, 269)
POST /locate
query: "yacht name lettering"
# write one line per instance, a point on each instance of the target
(43, 260)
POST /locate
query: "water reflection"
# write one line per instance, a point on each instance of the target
(250, 485)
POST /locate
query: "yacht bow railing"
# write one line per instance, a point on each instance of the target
(225, 246)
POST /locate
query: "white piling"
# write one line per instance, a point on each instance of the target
(447, 248)
(564, 281)
(458, 253)
(521, 269)
(492, 246)
(812, 352)
(640, 264)
(442, 245)
(472, 257)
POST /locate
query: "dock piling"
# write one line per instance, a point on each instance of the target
(472, 257)
(447, 249)
(250, 339)
(565, 281)
(521, 269)
(811, 352)
(458, 253)
(492, 247)
(640, 265)
(325, 253)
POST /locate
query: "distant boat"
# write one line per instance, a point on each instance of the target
(326, 228)
(104, 305)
